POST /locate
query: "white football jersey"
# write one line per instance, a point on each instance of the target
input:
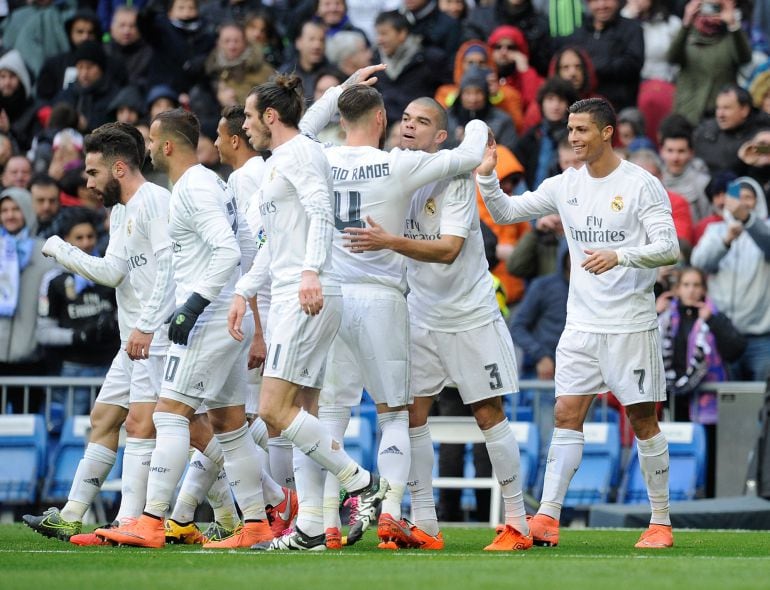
(369, 182)
(138, 232)
(204, 223)
(449, 297)
(627, 211)
(296, 209)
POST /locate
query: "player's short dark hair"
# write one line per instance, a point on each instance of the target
(182, 124)
(117, 141)
(234, 118)
(393, 18)
(284, 94)
(357, 101)
(442, 121)
(599, 109)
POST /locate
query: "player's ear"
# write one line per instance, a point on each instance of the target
(441, 136)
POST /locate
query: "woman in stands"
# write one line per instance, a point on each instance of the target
(698, 341)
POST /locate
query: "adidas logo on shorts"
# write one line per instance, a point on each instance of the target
(199, 386)
(304, 373)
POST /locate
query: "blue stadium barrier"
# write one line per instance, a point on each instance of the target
(598, 473)
(359, 441)
(66, 458)
(687, 472)
(23, 443)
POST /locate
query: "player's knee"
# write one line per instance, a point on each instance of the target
(140, 426)
(488, 413)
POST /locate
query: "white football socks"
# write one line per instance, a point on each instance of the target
(420, 481)
(309, 435)
(133, 483)
(654, 463)
(280, 452)
(168, 461)
(394, 458)
(92, 470)
(200, 476)
(503, 450)
(243, 467)
(336, 420)
(309, 477)
(564, 458)
(258, 430)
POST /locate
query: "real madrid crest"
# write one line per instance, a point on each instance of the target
(617, 204)
(129, 226)
(430, 206)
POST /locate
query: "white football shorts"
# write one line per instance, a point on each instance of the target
(480, 362)
(299, 343)
(129, 382)
(628, 365)
(371, 349)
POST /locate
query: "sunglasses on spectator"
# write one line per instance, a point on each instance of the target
(501, 46)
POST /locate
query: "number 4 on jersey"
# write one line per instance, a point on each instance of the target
(351, 205)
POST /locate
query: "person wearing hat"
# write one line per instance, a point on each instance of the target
(511, 56)
(17, 103)
(92, 92)
(59, 71)
(473, 103)
(22, 267)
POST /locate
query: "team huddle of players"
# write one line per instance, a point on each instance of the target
(268, 304)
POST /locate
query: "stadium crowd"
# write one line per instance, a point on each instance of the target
(689, 79)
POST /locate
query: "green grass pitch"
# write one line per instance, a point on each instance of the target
(590, 559)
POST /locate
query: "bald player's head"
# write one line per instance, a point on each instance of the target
(423, 125)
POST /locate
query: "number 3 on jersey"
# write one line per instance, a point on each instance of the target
(350, 204)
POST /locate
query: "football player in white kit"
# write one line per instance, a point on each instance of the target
(618, 225)
(371, 349)
(138, 264)
(457, 334)
(296, 206)
(204, 477)
(203, 364)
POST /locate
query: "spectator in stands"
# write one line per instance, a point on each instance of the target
(62, 116)
(127, 106)
(261, 31)
(736, 255)
(67, 153)
(180, 43)
(434, 28)
(616, 47)
(332, 15)
(539, 320)
(36, 31)
(161, 98)
(60, 71)
(45, 203)
(510, 172)
(660, 26)
(502, 96)
(680, 208)
(363, 13)
(92, 92)
(698, 341)
(473, 103)
(683, 173)
(518, 13)
(537, 148)
(631, 130)
(235, 64)
(755, 156)
(760, 91)
(717, 140)
(709, 49)
(127, 46)
(17, 103)
(17, 172)
(215, 12)
(22, 267)
(77, 318)
(333, 133)
(510, 53)
(456, 9)
(348, 51)
(412, 71)
(310, 59)
(716, 192)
